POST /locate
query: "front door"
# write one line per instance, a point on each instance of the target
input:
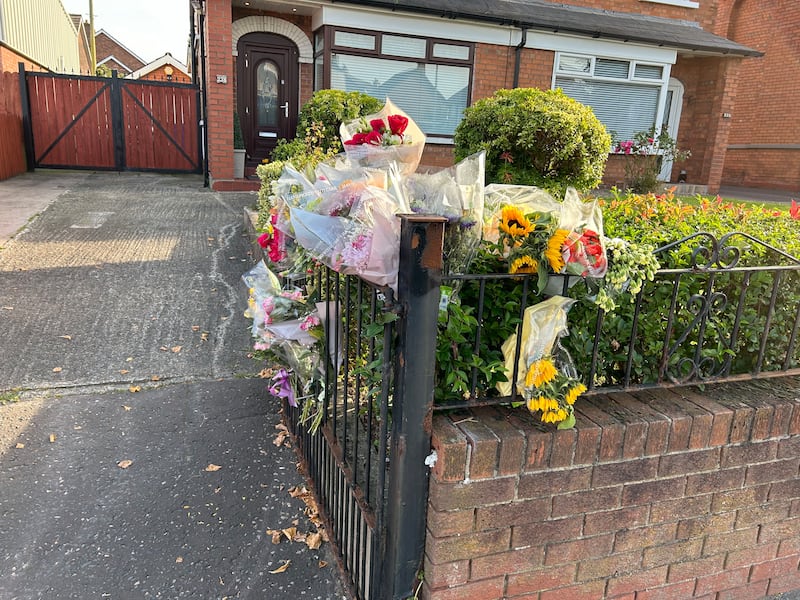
(268, 91)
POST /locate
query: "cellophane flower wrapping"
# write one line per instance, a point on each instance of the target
(365, 242)
(288, 329)
(584, 249)
(529, 199)
(456, 193)
(546, 376)
(386, 137)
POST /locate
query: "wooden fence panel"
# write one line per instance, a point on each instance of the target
(71, 118)
(12, 140)
(160, 126)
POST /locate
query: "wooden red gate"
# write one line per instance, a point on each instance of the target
(81, 122)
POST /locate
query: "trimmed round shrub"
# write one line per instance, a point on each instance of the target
(320, 117)
(535, 137)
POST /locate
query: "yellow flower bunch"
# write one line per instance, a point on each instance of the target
(533, 242)
(549, 390)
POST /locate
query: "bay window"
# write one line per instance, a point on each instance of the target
(624, 94)
(428, 78)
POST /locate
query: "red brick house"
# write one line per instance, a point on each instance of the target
(638, 63)
(115, 55)
(164, 68)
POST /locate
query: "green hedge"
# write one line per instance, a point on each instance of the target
(535, 137)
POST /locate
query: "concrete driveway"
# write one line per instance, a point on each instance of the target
(136, 445)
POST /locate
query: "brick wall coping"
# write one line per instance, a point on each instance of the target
(497, 441)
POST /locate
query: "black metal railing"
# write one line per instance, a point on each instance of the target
(712, 319)
(367, 458)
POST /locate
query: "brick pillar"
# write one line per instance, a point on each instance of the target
(710, 85)
(221, 99)
(721, 111)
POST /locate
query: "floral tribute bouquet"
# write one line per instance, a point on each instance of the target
(456, 193)
(535, 234)
(546, 377)
(360, 236)
(629, 266)
(388, 136)
(287, 329)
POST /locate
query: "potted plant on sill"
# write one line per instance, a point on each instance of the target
(239, 151)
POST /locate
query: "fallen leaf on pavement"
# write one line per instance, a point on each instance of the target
(19, 446)
(195, 327)
(126, 407)
(129, 359)
(176, 349)
(124, 464)
(323, 564)
(135, 388)
(298, 491)
(290, 533)
(57, 370)
(179, 559)
(279, 439)
(52, 437)
(314, 540)
(282, 568)
(8, 308)
(212, 467)
(155, 378)
(123, 371)
(164, 349)
(277, 536)
(65, 337)
(204, 336)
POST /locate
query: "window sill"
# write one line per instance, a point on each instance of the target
(683, 3)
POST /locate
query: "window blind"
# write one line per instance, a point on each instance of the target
(623, 107)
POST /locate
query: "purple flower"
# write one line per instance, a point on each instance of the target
(282, 387)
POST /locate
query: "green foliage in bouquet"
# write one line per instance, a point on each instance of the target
(535, 137)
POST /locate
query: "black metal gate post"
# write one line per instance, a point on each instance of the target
(27, 126)
(117, 122)
(419, 278)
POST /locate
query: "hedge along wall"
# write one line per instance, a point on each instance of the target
(663, 494)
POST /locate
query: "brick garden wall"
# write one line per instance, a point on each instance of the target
(666, 494)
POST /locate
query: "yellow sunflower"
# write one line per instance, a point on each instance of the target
(514, 222)
(553, 252)
(540, 373)
(524, 264)
(534, 404)
(574, 392)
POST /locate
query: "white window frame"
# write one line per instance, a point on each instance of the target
(661, 83)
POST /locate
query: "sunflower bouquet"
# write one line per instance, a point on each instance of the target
(545, 375)
(538, 235)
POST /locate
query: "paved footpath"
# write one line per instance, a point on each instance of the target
(122, 337)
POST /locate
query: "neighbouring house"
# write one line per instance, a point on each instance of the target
(164, 68)
(114, 55)
(702, 69)
(763, 149)
(84, 31)
(40, 35)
